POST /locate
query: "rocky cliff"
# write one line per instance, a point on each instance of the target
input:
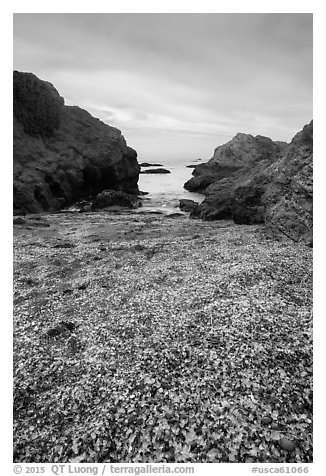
(62, 153)
(255, 180)
(241, 153)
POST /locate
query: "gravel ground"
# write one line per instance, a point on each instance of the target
(144, 338)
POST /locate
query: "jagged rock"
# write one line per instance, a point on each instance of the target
(187, 205)
(240, 153)
(155, 171)
(274, 185)
(37, 104)
(61, 153)
(109, 198)
(201, 181)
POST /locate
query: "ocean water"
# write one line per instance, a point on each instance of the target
(166, 190)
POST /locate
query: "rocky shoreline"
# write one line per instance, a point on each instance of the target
(142, 336)
(63, 155)
(255, 180)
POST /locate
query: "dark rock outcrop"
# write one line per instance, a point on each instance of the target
(271, 183)
(155, 171)
(147, 164)
(109, 198)
(61, 153)
(241, 153)
(187, 205)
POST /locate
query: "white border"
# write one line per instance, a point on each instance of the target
(168, 6)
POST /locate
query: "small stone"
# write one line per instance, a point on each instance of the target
(73, 344)
(65, 244)
(139, 247)
(53, 332)
(287, 445)
(266, 420)
(82, 286)
(67, 291)
(69, 325)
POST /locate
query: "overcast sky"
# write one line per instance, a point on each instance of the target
(177, 85)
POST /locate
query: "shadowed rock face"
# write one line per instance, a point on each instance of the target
(62, 153)
(187, 205)
(240, 153)
(271, 183)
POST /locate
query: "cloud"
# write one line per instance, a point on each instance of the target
(185, 77)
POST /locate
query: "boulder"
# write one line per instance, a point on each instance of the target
(147, 164)
(187, 205)
(274, 185)
(110, 198)
(61, 153)
(155, 171)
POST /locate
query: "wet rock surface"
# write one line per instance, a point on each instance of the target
(188, 205)
(109, 198)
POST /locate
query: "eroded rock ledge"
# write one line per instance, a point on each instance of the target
(62, 153)
(255, 180)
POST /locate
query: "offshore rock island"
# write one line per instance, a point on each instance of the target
(140, 337)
